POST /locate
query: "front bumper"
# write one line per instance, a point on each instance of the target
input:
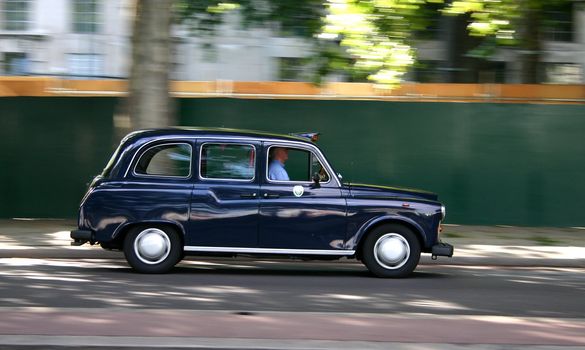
(442, 249)
(81, 237)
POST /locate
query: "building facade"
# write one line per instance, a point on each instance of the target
(84, 38)
(91, 39)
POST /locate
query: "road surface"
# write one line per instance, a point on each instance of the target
(280, 299)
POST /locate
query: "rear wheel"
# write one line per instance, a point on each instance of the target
(391, 250)
(152, 249)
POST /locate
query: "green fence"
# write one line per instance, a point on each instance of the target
(49, 150)
(514, 164)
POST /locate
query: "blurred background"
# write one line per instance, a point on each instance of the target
(530, 41)
(480, 101)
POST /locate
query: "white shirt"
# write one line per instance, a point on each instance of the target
(277, 172)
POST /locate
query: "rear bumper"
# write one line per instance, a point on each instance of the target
(81, 237)
(442, 249)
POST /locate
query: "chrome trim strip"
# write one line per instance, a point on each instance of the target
(269, 250)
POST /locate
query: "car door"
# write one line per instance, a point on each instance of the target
(295, 213)
(224, 202)
(156, 187)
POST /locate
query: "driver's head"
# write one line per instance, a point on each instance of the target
(280, 154)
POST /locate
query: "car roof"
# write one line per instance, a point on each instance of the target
(212, 132)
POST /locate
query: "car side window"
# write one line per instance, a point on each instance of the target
(294, 164)
(227, 161)
(165, 160)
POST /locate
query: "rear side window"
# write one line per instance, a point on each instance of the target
(165, 160)
(225, 161)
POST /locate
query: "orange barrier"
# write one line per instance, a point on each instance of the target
(497, 93)
(23, 86)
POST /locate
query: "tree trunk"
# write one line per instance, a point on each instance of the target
(530, 72)
(458, 66)
(149, 103)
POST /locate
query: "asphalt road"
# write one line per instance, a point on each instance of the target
(284, 286)
(280, 304)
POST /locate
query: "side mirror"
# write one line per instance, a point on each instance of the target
(316, 181)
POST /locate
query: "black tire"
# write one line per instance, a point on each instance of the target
(152, 249)
(391, 250)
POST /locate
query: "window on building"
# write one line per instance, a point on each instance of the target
(16, 14)
(291, 69)
(564, 73)
(15, 63)
(558, 22)
(209, 53)
(86, 16)
(85, 65)
(224, 161)
(165, 160)
(427, 71)
(491, 72)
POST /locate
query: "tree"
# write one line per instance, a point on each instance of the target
(516, 23)
(377, 35)
(148, 104)
(375, 32)
(298, 17)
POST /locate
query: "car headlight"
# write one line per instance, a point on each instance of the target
(443, 212)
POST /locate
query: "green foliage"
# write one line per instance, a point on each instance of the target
(202, 16)
(374, 33)
(502, 19)
(370, 39)
(490, 17)
(378, 34)
(294, 17)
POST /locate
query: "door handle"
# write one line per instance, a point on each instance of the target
(248, 195)
(271, 195)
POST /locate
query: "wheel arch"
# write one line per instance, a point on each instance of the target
(121, 232)
(385, 220)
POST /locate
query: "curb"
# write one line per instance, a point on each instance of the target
(68, 342)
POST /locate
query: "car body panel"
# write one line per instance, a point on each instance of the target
(376, 191)
(221, 216)
(114, 205)
(224, 212)
(317, 220)
(313, 218)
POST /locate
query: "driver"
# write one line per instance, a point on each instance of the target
(276, 171)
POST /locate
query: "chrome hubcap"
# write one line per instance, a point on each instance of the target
(391, 251)
(152, 246)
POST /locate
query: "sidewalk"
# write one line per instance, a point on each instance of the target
(284, 330)
(474, 245)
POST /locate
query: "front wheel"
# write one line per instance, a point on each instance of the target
(152, 249)
(391, 251)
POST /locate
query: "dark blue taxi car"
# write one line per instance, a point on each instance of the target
(171, 192)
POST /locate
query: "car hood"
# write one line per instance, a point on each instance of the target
(375, 191)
